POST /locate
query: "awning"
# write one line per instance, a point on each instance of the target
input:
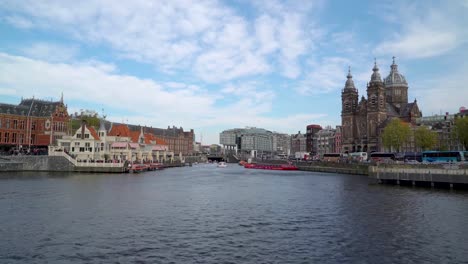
(134, 145)
(160, 147)
(119, 145)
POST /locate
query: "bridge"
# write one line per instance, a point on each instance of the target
(217, 158)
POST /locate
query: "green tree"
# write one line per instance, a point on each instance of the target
(461, 130)
(90, 121)
(424, 138)
(395, 134)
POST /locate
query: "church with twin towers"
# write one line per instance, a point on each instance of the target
(363, 120)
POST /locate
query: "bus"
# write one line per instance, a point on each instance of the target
(412, 156)
(358, 156)
(331, 157)
(443, 156)
(382, 156)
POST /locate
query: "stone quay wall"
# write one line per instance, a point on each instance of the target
(35, 163)
(345, 168)
(449, 174)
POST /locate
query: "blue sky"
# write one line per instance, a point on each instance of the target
(216, 65)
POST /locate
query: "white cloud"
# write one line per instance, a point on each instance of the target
(446, 93)
(207, 36)
(50, 51)
(425, 31)
(325, 76)
(19, 22)
(143, 101)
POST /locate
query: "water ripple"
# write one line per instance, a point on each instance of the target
(207, 215)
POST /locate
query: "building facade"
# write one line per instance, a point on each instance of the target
(326, 141)
(32, 124)
(443, 126)
(298, 143)
(248, 142)
(362, 121)
(311, 132)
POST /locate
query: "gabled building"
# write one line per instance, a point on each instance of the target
(118, 145)
(32, 124)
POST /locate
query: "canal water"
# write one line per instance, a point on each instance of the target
(205, 214)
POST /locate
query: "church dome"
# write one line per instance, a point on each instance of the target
(375, 77)
(349, 85)
(395, 78)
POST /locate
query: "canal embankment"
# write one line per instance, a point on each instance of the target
(427, 175)
(63, 163)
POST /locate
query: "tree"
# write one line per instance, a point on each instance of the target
(461, 130)
(424, 138)
(395, 134)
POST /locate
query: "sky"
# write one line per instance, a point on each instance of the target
(217, 65)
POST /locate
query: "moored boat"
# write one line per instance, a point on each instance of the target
(136, 168)
(270, 166)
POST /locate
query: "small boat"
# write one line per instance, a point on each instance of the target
(270, 166)
(136, 168)
(222, 164)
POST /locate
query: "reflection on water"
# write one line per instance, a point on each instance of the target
(205, 214)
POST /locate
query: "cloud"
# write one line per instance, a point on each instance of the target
(207, 36)
(445, 93)
(50, 51)
(325, 76)
(425, 31)
(19, 22)
(143, 101)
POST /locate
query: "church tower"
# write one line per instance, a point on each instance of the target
(349, 103)
(376, 108)
(396, 88)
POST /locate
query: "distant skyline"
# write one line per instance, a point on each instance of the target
(217, 65)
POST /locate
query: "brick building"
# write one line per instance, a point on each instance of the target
(32, 124)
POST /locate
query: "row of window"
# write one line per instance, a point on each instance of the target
(15, 138)
(8, 123)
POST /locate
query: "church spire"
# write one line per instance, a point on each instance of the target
(394, 67)
(376, 75)
(349, 83)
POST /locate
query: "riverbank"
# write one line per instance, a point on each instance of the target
(63, 164)
(431, 175)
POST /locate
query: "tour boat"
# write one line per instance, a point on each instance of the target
(270, 166)
(135, 168)
(222, 164)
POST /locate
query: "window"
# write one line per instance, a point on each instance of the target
(86, 135)
(21, 138)
(0, 136)
(6, 138)
(81, 149)
(7, 123)
(21, 124)
(73, 149)
(15, 124)
(77, 144)
(78, 135)
(33, 125)
(0, 123)
(13, 138)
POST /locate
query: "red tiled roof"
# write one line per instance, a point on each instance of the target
(134, 135)
(93, 132)
(160, 141)
(119, 130)
(150, 137)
